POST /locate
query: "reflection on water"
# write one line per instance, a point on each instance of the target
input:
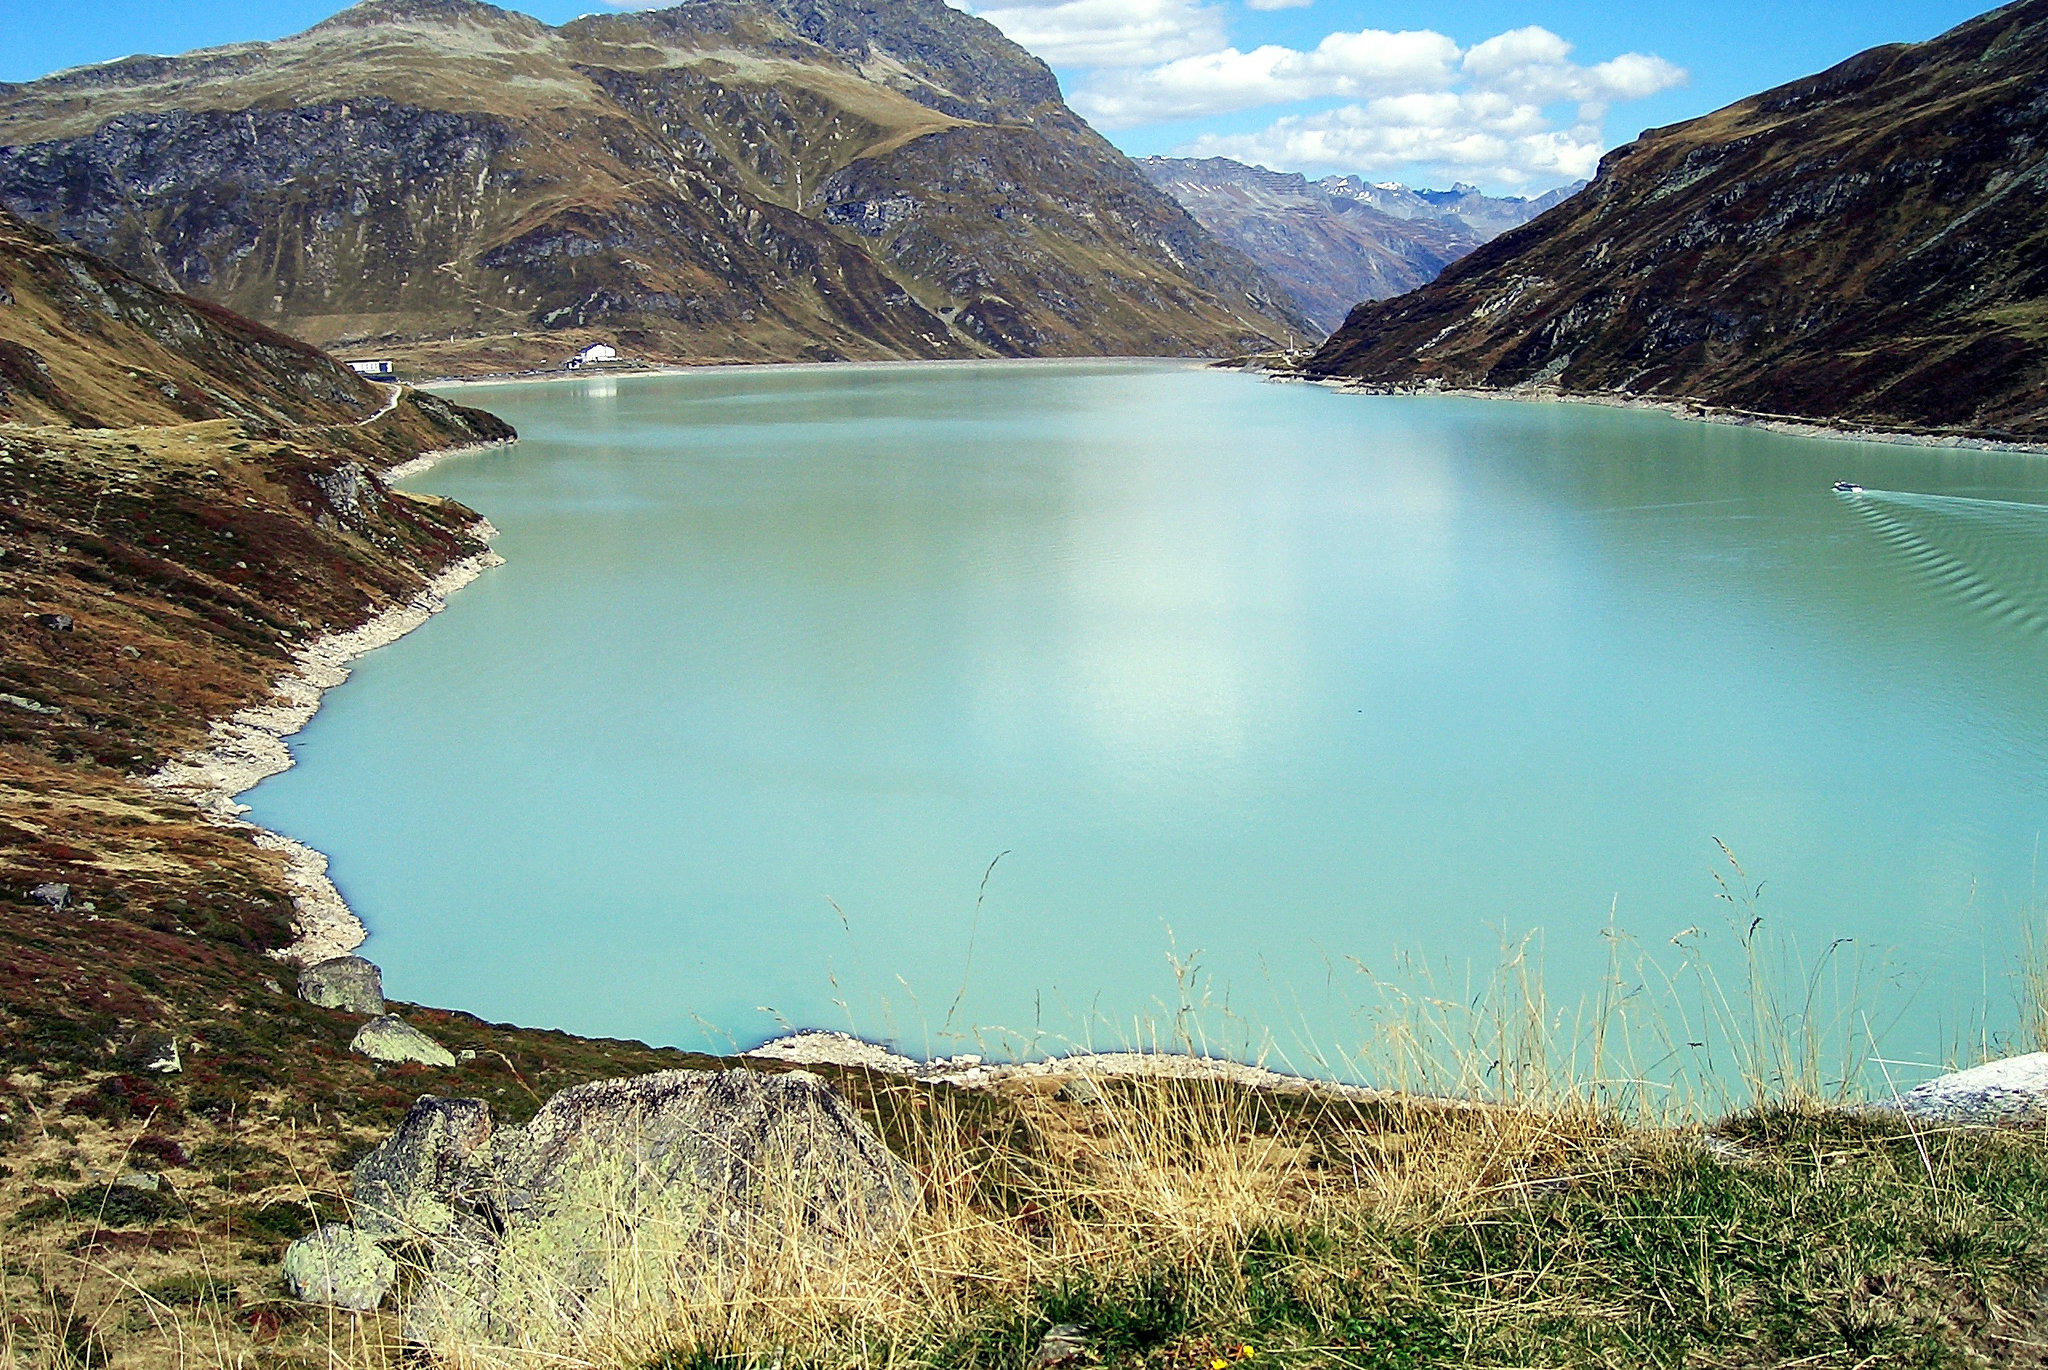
(781, 661)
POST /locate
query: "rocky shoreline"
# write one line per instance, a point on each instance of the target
(1698, 411)
(427, 461)
(826, 1048)
(249, 747)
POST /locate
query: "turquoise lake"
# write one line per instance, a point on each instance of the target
(1287, 681)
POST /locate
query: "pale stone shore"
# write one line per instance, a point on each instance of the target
(1695, 411)
(815, 1048)
(427, 461)
(250, 747)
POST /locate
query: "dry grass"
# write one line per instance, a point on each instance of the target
(1543, 1189)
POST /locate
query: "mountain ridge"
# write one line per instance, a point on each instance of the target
(1862, 247)
(1333, 242)
(721, 180)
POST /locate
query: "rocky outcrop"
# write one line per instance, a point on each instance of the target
(394, 1041)
(659, 1182)
(348, 983)
(409, 1185)
(1860, 247)
(750, 179)
(2014, 1090)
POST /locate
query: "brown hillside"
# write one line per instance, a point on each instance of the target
(85, 344)
(1866, 246)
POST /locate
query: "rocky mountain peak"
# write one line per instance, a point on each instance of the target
(376, 13)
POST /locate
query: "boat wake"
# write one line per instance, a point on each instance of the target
(1990, 554)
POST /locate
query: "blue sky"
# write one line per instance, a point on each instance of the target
(1515, 95)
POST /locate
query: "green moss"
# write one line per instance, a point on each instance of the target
(192, 1290)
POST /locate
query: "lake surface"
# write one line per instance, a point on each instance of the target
(1286, 680)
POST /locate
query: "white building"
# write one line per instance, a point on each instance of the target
(596, 353)
(380, 369)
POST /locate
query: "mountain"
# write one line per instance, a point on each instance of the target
(1868, 246)
(1334, 242)
(86, 344)
(725, 180)
(1486, 216)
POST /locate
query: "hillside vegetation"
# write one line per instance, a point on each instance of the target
(725, 180)
(1867, 246)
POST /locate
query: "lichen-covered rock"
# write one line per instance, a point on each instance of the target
(348, 983)
(2012, 1090)
(394, 1041)
(339, 1266)
(660, 1183)
(406, 1186)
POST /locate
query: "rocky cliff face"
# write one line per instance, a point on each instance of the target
(729, 179)
(1868, 246)
(1334, 242)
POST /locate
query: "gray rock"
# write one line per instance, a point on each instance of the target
(713, 1169)
(1062, 1344)
(338, 1266)
(348, 983)
(53, 894)
(2012, 1090)
(1079, 1090)
(351, 492)
(56, 623)
(155, 1051)
(394, 1041)
(409, 1184)
(138, 1179)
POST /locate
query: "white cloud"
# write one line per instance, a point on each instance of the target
(1530, 65)
(1278, 4)
(1483, 136)
(1344, 64)
(1536, 65)
(1108, 33)
(1419, 100)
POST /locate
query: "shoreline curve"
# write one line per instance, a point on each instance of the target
(249, 746)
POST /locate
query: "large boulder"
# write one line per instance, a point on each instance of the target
(2008, 1091)
(339, 1266)
(408, 1185)
(348, 983)
(643, 1189)
(394, 1041)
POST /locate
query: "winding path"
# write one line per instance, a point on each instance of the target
(397, 393)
